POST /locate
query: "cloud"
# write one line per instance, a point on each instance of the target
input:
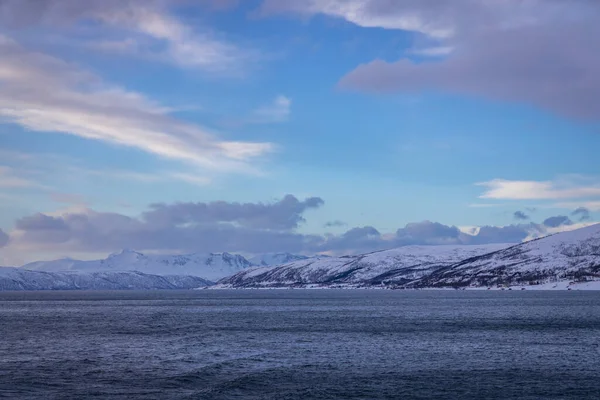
(238, 227)
(559, 220)
(583, 214)
(285, 214)
(3, 238)
(9, 178)
(180, 227)
(502, 234)
(500, 49)
(520, 215)
(536, 190)
(436, 51)
(334, 224)
(406, 15)
(278, 111)
(143, 27)
(43, 93)
(430, 233)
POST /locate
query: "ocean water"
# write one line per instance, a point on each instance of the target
(300, 344)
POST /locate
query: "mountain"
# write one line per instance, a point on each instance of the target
(20, 279)
(397, 266)
(564, 260)
(271, 259)
(213, 266)
(564, 257)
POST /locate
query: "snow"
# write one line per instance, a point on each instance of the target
(271, 259)
(559, 257)
(213, 266)
(21, 279)
(405, 262)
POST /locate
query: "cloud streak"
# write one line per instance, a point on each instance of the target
(145, 28)
(503, 189)
(276, 112)
(533, 52)
(239, 227)
(43, 93)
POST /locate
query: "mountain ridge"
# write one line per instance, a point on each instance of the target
(12, 278)
(572, 256)
(211, 266)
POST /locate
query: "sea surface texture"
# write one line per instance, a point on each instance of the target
(300, 344)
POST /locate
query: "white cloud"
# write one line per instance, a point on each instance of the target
(43, 93)
(367, 13)
(433, 51)
(536, 190)
(135, 27)
(277, 111)
(183, 46)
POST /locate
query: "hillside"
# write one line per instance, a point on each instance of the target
(212, 266)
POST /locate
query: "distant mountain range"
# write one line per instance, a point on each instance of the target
(21, 279)
(271, 259)
(212, 266)
(566, 258)
(559, 261)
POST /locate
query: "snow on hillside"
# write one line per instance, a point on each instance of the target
(20, 279)
(212, 266)
(397, 265)
(568, 256)
(271, 259)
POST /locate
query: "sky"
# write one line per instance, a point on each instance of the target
(258, 126)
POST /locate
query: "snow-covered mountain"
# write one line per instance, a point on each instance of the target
(212, 266)
(270, 259)
(559, 261)
(397, 266)
(20, 279)
(564, 257)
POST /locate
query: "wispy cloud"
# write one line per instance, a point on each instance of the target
(35, 171)
(43, 93)
(9, 178)
(278, 110)
(435, 51)
(367, 13)
(536, 190)
(145, 28)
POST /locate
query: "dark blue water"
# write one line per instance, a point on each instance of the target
(295, 344)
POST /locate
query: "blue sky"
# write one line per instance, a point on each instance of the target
(392, 113)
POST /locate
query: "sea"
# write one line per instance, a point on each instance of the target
(300, 344)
